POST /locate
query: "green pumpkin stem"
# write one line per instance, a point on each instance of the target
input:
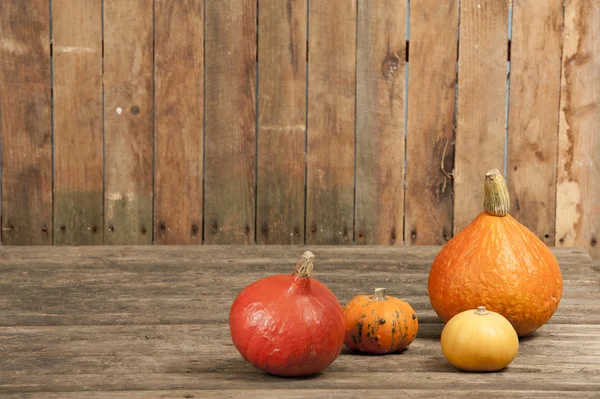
(496, 200)
(379, 294)
(305, 265)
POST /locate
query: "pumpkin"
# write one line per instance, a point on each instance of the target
(479, 340)
(288, 325)
(379, 324)
(496, 262)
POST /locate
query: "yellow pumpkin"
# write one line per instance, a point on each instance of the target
(479, 340)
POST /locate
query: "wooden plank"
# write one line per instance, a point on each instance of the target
(282, 121)
(174, 349)
(224, 380)
(128, 114)
(77, 65)
(312, 393)
(106, 287)
(25, 123)
(179, 117)
(381, 54)
(430, 122)
(480, 136)
(230, 136)
(533, 114)
(420, 256)
(578, 186)
(331, 117)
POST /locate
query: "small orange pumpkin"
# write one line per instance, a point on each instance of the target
(498, 263)
(379, 324)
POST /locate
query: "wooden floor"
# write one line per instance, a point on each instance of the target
(151, 322)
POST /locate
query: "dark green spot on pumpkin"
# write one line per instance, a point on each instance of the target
(414, 316)
(359, 327)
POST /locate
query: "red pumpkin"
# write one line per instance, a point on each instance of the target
(288, 325)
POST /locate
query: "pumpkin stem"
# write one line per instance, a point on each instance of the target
(496, 200)
(379, 294)
(305, 265)
(481, 311)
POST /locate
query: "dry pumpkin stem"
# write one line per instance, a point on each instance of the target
(379, 294)
(496, 200)
(305, 265)
(481, 311)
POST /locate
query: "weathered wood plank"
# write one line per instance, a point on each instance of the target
(580, 382)
(207, 350)
(77, 65)
(281, 122)
(381, 54)
(430, 122)
(179, 79)
(311, 393)
(230, 136)
(480, 136)
(209, 255)
(331, 117)
(128, 287)
(578, 187)
(128, 115)
(533, 114)
(25, 123)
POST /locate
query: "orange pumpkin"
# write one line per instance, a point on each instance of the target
(379, 324)
(498, 263)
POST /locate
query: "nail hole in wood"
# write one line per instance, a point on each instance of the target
(111, 228)
(143, 230)
(194, 229)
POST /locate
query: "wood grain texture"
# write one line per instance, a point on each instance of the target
(430, 122)
(25, 122)
(128, 114)
(331, 117)
(311, 393)
(179, 118)
(83, 321)
(480, 136)
(230, 136)
(77, 65)
(281, 122)
(578, 181)
(126, 286)
(381, 54)
(225, 381)
(533, 114)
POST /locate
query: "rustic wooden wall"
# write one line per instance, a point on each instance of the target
(299, 121)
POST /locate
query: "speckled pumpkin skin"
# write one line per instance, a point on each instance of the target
(366, 332)
(498, 263)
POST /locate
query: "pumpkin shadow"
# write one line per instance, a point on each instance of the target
(528, 337)
(349, 352)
